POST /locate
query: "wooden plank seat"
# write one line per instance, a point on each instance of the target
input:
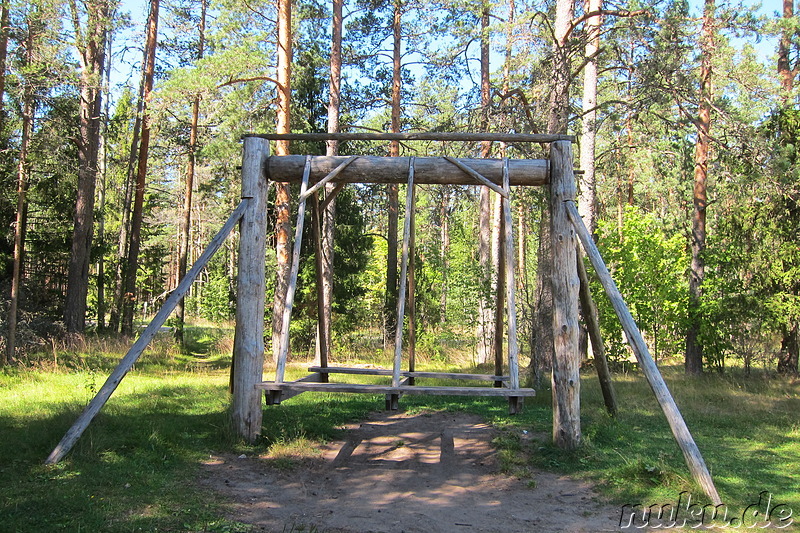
(405, 373)
(306, 386)
(278, 392)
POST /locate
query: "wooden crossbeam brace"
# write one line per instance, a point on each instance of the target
(321, 183)
(283, 353)
(330, 196)
(478, 176)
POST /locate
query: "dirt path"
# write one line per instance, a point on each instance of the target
(395, 473)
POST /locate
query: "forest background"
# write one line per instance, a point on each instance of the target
(120, 142)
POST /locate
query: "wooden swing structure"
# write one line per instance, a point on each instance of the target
(314, 172)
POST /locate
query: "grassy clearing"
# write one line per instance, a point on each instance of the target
(135, 469)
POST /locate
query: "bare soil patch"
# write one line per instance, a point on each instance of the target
(426, 473)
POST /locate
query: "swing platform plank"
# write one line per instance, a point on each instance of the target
(277, 392)
(388, 372)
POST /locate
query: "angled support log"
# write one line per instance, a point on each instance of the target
(329, 197)
(74, 433)
(691, 453)
(598, 348)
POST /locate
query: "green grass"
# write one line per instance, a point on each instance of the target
(747, 428)
(136, 466)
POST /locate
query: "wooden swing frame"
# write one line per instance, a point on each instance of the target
(566, 228)
(498, 175)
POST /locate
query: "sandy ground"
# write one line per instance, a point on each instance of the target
(432, 472)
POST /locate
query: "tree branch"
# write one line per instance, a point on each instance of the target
(603, 12)
(233, 81)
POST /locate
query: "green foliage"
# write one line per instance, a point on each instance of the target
(215, 301)
(649, 269)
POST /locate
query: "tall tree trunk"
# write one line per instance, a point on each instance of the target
(542, 357)
(390, 309)
(331, 149)
(631, 147)
(101, 197)
(785, 71)
(91, 42)
(23, 174)
(137, 214)
(3, 58)
(485, 314)
(125, 224)
(587, 183)
(186, 216)
(694, 347)
(283, 226)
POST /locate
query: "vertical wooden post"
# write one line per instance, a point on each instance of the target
(322, 331)
(565, 285)
(401, 300)
(514, 402)
(412, 287)
(248, 349)
(291, 288)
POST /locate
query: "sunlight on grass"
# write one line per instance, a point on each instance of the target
(135, 466)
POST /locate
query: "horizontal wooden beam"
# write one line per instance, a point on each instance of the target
(285, 395)
(427, 170)
(387, 372)
(388, 389)
(419, 136)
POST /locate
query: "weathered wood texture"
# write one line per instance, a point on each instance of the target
(330, 177)
(511, 283)
(479, 178)
(412, 287)
(127, 362)
(429, 170)
(248, 348)
(276, 397)
(401, 299)
(680, 431)
(411, 374)
(388, 389)
(420, 136)
(565, 285)
(592, 321)
(294, 269)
